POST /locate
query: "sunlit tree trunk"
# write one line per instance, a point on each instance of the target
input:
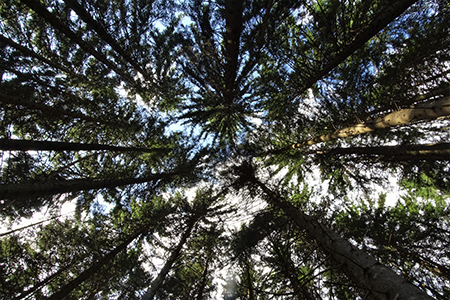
(425, 111)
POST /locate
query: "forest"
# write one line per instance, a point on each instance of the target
(225, 149)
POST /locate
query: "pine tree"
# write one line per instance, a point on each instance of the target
(126, 108)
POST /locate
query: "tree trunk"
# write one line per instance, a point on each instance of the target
(42, 283)
(439, 151)
(27, 52)
(24, 145)
(233, 16)
(156, 284)
(86, 274)
(387, 15)
(366, 272)
(425, 111)
(15, 191)
(204, 277)
(49, 111)
(103, 34)
(50, 18)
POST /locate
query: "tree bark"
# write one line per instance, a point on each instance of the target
(103, 34)
(233, 16)
(86, 274)
(425, 111)
(156, 284)
(26, 145)
(387, 15)
(49, 111)
(50, 18)
(366, 272)
(13, 191)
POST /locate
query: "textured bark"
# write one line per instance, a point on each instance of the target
(86, 274)
(53, 20)
(387, 15)
(156, 284)
(425, 111)
(366, 272)
(104, 35)
(13, 191)
(25, 145)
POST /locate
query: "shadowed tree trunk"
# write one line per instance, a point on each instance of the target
(104, 35)
(365, 271)
(25, 145)
(52, 19)
(86, 274)
(15, 191)
(156, 284)
(388, 14)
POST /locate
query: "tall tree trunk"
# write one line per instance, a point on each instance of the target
(204, 277)
(26, 145)
(299, 289)
(366, 272)
(52, 19)
(86, 274)
(104, 35)
(425, 111)
(156, 284)
(233, 16)
(42, 283)
(15, 191)
(439, 151)
(387, 15)
(49, 111)
(27, 52)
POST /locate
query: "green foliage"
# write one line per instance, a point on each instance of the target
(219, 93)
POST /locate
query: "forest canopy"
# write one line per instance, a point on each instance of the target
(225, 149)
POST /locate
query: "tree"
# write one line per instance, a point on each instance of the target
(364, 270)
(127, 108)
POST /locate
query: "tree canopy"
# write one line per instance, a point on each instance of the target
(225, 149)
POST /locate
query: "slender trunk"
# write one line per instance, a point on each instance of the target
(387, 15)
(439, 151)
(49, 111)
(204, 277)
(425, 111)
(249, 279)
(156, 284)
(53, 20)
(299, 289)
(31, 225)
(25, 145)
(14, 191)
(86, 274)
(42, 283)
(27, 52)
(366, 272)
(103, 34)
(233, 16)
